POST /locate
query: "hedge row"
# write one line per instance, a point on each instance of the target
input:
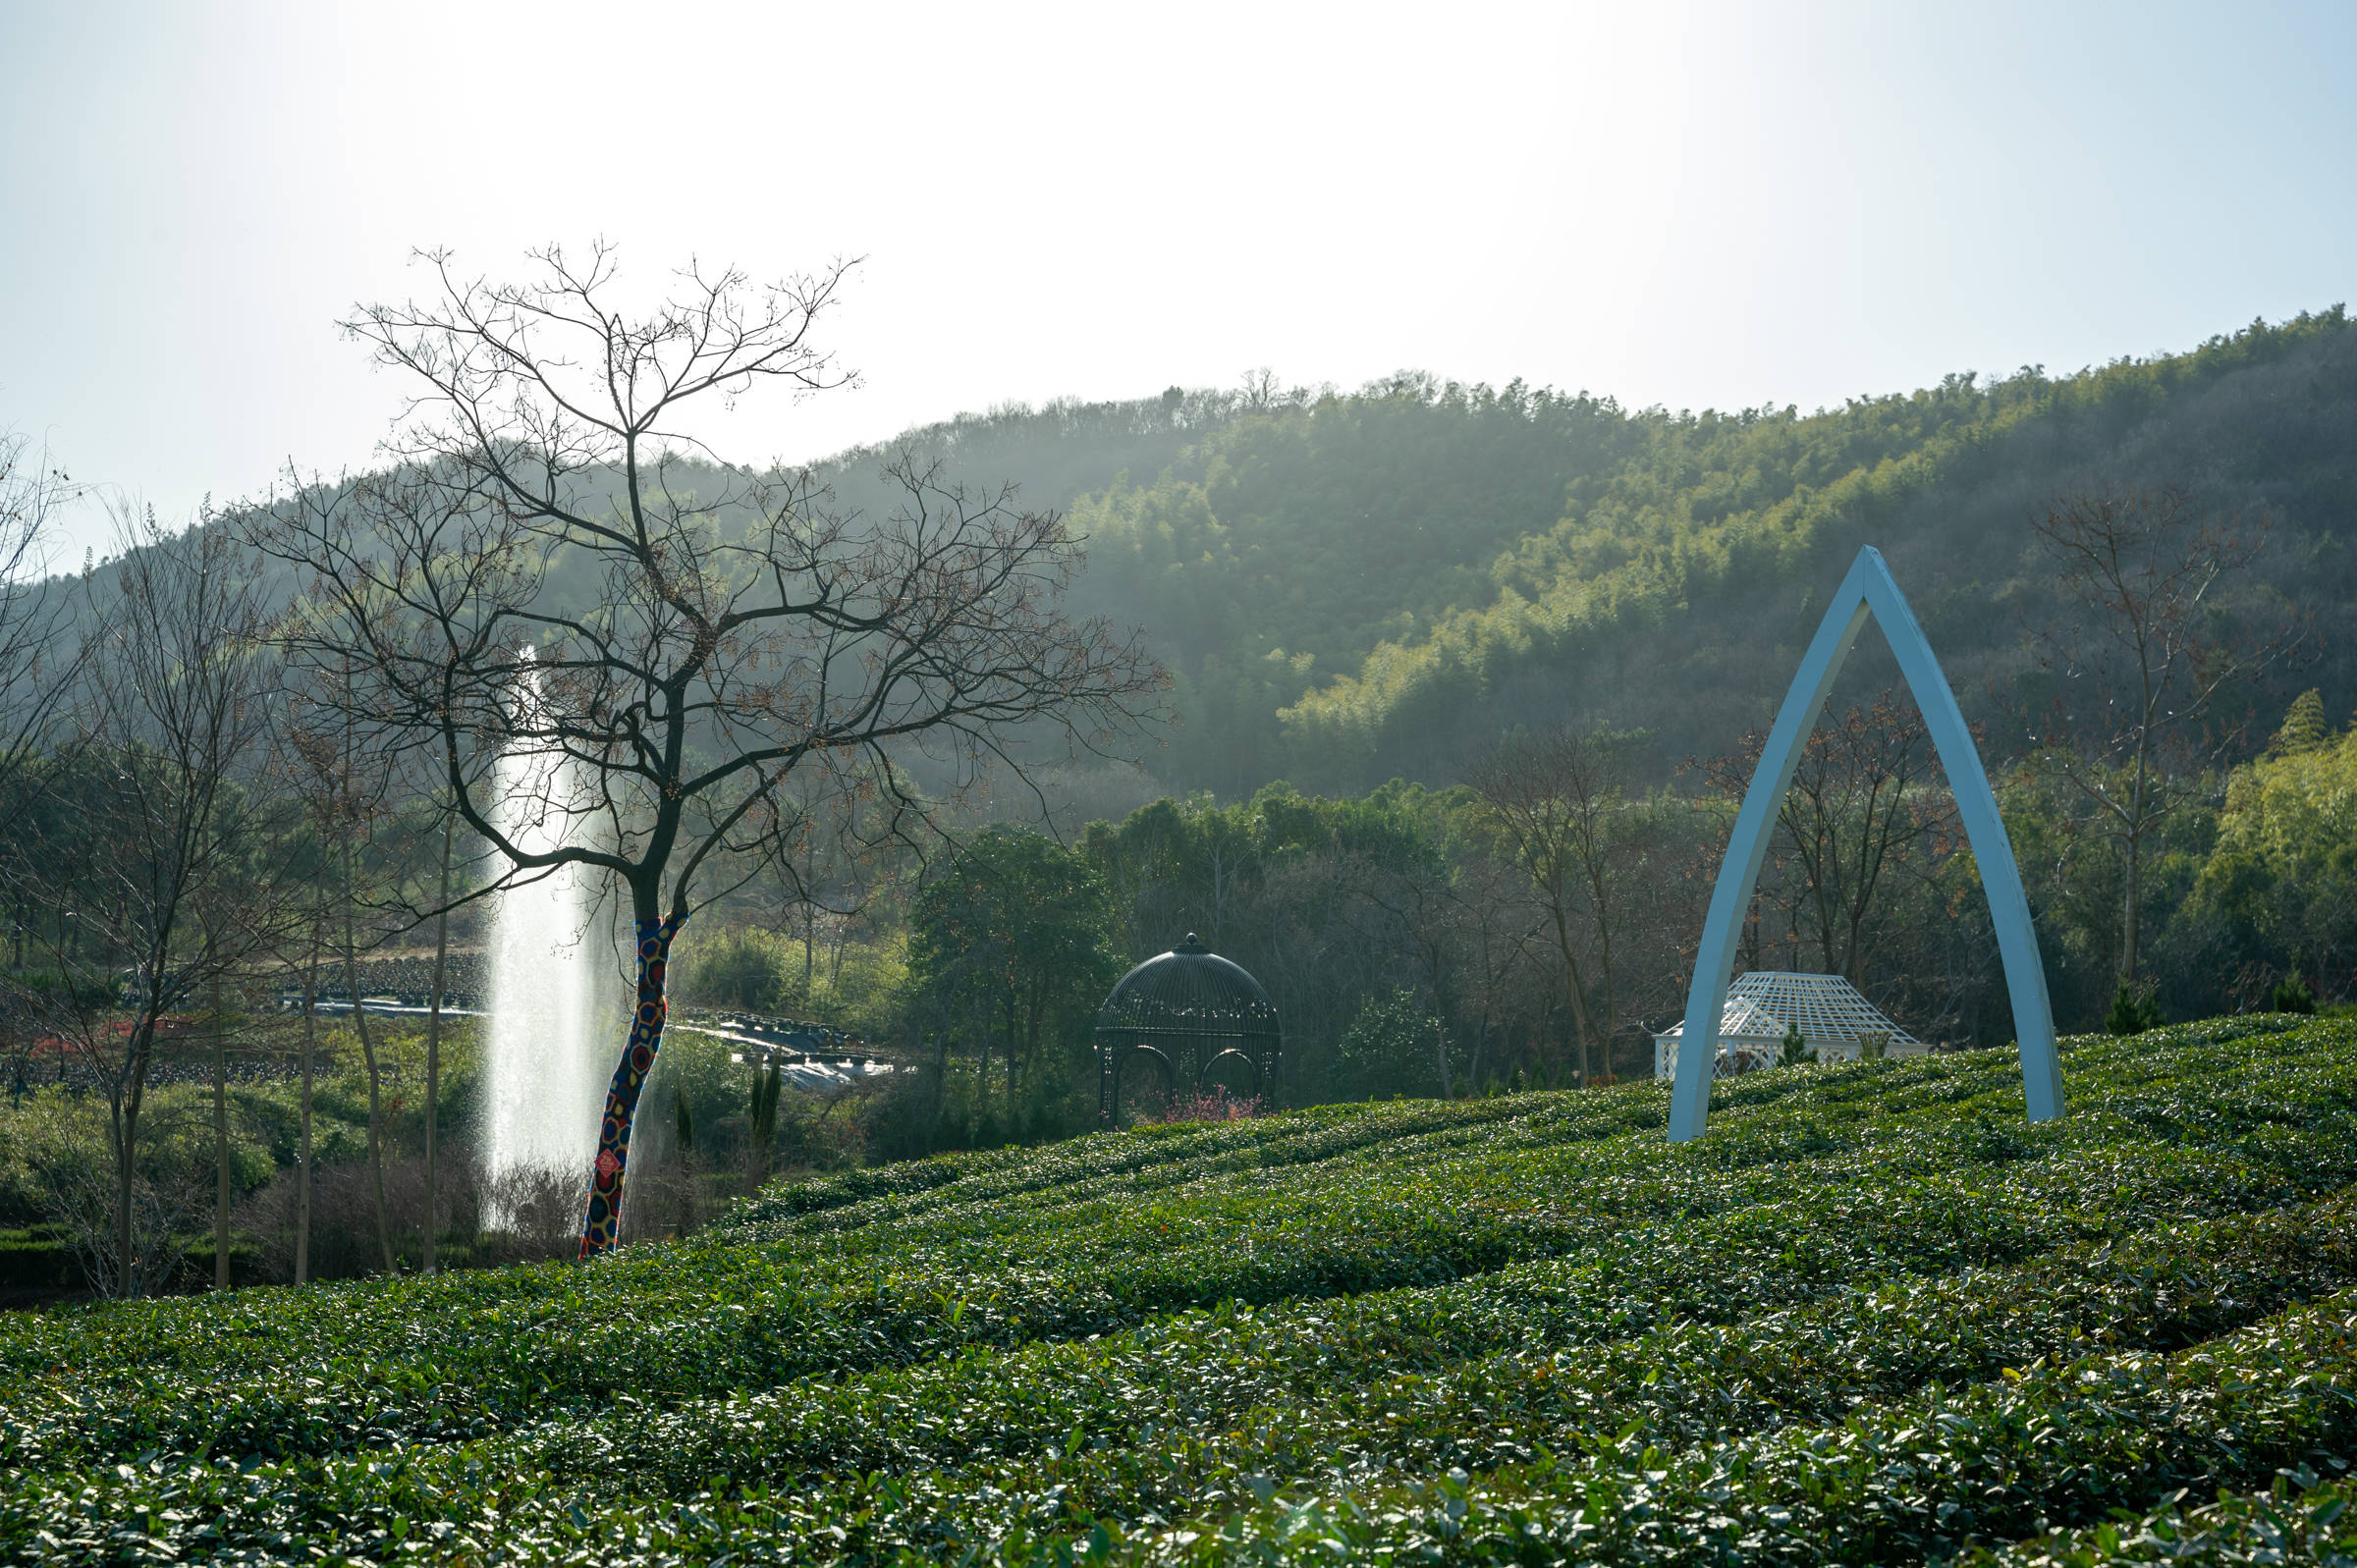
(1873, 1316)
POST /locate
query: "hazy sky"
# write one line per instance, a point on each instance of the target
(1686, 204)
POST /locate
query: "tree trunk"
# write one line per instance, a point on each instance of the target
(1574, 994)
(126, 1171)
(127, 1142)
(941, 1077)
(433, 1044)
(603, 1221)
(220, 1143)
(303, 1164)
(2127, 916)
(359, 1023)
(1439, 1042)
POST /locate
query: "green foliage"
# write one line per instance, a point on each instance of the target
(1008, 947)
(2280, 884)
(762, 1121)
(741, 967)
(694, 1068)
(1364, 583)
(1871, 1318)
(1794, 1049)
(2291, 995)
(2132, 1013)
(1281, 877)
(2303, 728)
(1392, 1047)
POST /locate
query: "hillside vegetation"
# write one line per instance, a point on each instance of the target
(1356, 587)
(1350, 586)
(1871, 1318)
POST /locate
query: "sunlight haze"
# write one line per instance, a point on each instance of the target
(1690, 205)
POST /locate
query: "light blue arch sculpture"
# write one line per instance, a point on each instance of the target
(1868, 590)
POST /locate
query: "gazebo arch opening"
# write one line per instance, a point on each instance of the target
(1191, 1016)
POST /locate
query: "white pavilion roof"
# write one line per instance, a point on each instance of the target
(1825, 1007)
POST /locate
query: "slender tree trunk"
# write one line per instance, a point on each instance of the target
(2127, 914)
(433, 1044)
(1574, 992)
(359, 1022)
(127, 1143)
(126, 1171)
(2135, 876)
(303, 1164)
(220, 1143)
(941, 1076)
(603, 1221)
(1611, 1021)
(1439, 1045)
(2135, 823)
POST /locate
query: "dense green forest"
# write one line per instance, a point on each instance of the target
(1350, 586)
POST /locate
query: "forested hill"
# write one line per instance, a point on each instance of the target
(1361, 587)
(1353, 586)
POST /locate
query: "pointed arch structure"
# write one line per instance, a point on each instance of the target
(1868, 590)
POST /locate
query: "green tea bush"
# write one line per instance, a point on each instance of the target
(1873, 1316)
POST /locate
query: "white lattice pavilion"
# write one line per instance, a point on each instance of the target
(1839, 1023)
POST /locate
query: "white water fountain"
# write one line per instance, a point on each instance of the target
(544, 1075)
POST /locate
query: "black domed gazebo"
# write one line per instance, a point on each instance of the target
(1185, 1015)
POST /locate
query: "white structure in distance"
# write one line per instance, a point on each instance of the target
(1870, 590)
(1834, 1020)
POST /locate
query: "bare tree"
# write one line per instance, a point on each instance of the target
(549, 570)
(1556, 798)
(38, 660)
(37, 656)
(2144, 652)
(166, 846)
(344, 793)
(1493, 926)
(1859, 808)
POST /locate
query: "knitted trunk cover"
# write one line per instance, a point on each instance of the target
(604, 1220)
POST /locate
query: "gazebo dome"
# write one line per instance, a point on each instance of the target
(1184, 1012)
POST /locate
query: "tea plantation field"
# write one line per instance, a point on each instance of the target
(1872, 1318)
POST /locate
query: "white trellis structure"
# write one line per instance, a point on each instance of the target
(1832, 1018)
